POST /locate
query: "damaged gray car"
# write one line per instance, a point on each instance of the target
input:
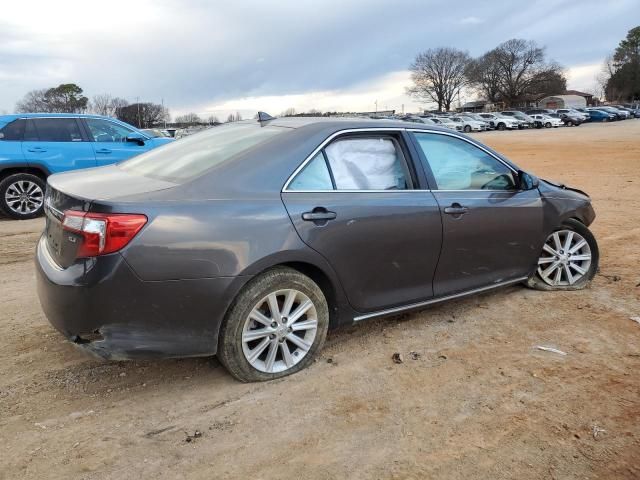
(248, 241)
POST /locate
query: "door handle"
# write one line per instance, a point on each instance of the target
(456, 209)
(103, 150)
(318, 215)
(36, 149)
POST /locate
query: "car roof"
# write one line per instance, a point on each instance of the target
(14, 116)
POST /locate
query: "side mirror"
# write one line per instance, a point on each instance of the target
(527, 181)
(136, 137)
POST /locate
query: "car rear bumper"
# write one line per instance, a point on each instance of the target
(104, 308)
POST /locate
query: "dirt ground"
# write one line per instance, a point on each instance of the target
(479, 401)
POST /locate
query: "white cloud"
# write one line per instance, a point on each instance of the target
(471, 21)
(388, 90)
(583, 77)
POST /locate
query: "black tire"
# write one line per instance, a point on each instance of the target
(569, 123)
(501, 126)
(537, 283)
(547, 125)
(7, 183)
(467, 129)
(230, 352)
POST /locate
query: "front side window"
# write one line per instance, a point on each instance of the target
(106, 131)
(57, 129)
(12, 131)
(459, 165)
(366, 164)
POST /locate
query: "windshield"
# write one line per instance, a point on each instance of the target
(193, 155)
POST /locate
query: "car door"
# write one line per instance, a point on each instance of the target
(492, 230)
(56, 144)
(356, 201)
(109, 141)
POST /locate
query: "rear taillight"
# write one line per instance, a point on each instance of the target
(102, 233)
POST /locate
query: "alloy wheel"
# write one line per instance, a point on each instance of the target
(24, 197)
(565, 259)
(279, 331)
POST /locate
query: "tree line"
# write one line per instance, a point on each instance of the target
(620, 80)
(69, 98)
(514, 72)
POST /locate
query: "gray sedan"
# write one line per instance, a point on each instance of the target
(251, 239)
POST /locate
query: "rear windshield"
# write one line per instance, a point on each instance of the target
(191, 156)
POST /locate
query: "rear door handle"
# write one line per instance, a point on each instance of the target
(456, 209)
(316, 216)
(36, 149)
(103, 150)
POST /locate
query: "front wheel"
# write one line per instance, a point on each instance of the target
(467, 129)
(569, 259)
(547, 125)
(22, 196)
(501, 126)
(275, 327)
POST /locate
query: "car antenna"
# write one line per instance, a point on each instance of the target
(264, 117)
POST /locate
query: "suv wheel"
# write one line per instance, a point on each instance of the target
(22, 196)
(275, 327)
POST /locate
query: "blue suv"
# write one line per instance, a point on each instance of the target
(36, 145)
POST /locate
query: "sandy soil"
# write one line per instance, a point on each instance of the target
(479, 401)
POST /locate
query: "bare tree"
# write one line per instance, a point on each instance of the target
(101, 104)
(212, 120)
(34, 101)
(484, 74)
(234, 117)
(105, 104)
(289, 112)
(191, 118)
(438, 75)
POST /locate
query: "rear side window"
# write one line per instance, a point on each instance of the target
(366, 164)
(314, 176)
(195, 154)
(57, 129)
(12, 131)
(356, 163)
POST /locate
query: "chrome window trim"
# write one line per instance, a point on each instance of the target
(285, 189)
(411, 306)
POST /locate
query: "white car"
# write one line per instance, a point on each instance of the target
(469, 124)
(547, 121)
(424, 120)
(574, 112)
(447, 122)
(501, 122)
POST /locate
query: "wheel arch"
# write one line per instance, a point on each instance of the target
(315, 268)
(6, 170)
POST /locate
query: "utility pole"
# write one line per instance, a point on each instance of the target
(138, 103)
(164, 114)
(376, 102)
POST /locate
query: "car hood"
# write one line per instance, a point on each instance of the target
(105, 183)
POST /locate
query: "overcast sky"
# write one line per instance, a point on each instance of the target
(216, 57)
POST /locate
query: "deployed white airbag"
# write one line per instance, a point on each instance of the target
(365, 164)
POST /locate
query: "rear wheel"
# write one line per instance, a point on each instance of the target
(569, 123)
(22, 196)
(275, 327)
(569, 259)
(501, 126)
